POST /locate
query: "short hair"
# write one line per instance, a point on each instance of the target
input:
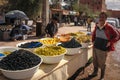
(55, 18)
(103, 13)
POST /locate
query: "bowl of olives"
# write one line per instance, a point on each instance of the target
(49, 41)
(51, 54)
(20, 64)
(6, 50)
(29, 45)
(72, 46)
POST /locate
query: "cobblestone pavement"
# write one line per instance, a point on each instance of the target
(112, 69)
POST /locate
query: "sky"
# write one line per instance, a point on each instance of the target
(113, 4)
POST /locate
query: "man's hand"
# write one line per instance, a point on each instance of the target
(108, 44)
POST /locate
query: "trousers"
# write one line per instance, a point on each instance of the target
(99, 60)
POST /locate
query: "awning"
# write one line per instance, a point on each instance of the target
(73, 13)
(64, 12)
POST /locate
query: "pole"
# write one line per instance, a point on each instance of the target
(45, 14)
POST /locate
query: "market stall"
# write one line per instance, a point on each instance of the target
(74, 55)
(65, 69)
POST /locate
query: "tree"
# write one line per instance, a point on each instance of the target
(31, 7)
(84, 8)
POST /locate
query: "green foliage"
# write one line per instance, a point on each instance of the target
(76, 7)
(84, 8)
(31, 7)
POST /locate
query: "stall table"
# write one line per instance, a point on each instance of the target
(62, 70)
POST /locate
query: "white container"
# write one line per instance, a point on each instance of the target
(73, 51)
(52, 59)
(29, 49)
(48, 41)
(7, 49)
(85, 45)
(21, 74)
(25, 37)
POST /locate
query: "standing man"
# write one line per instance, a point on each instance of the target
(104, 36)
(75, 21)
(89, 20)
(52, 27)
(38, 26)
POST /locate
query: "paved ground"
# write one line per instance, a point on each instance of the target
(113, 67)
(112, 70)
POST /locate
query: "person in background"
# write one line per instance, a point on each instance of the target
(66, 19)
(38, 19)
(52, 28)
(16, 33)
(84, 20)
(75, 21)
(103, 37)
(89, 20)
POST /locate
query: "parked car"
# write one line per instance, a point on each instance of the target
(114, 21)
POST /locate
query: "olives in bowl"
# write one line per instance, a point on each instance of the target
(20, 64)
(6, 50)
(72, 46)
(51, 54)
(29, 45)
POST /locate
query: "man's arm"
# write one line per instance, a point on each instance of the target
(47, 27)
(94, 34)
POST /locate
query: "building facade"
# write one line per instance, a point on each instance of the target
(95, 5)
(100, 5)
(114, 13)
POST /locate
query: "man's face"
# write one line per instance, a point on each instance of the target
(102, 19)
(55, 21)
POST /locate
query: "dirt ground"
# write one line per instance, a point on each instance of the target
(112, 69)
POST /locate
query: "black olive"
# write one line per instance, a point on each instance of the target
(71, 44)
(19, 60)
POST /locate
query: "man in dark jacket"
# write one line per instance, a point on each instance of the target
(52, 27)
